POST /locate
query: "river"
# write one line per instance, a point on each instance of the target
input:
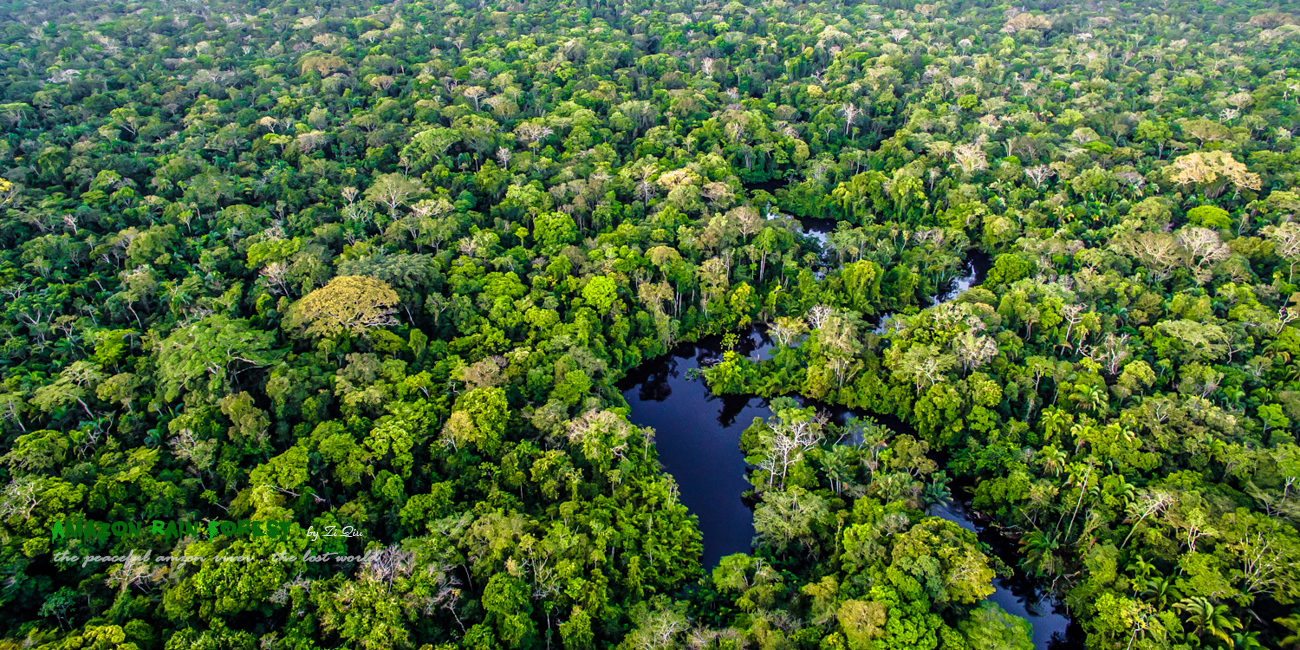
(698, 438)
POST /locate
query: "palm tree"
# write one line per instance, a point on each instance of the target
(1246, 641)
(1291, 623)
(1040, 552)
(1054, 421)
(841, 467)
(1276, 349)
(1160, 591)
(1141, 568)
(1208, 619)
(1090, 397)
(1052, 459)
(936, 493)
(1125, 491)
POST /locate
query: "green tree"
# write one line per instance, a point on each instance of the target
(210, 356)
(349, 304)
(505, 598)
(989, 627)
(601, 293)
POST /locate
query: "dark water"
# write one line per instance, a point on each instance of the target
(978, 264)
(1019, 594)
(975, 269)
(769, 186)
(698, 438)
(814, 226)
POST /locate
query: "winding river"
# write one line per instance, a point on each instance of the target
(698, 437)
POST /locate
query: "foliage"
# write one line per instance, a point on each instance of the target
(383, 267)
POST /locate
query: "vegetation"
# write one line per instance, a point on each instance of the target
(382, 267)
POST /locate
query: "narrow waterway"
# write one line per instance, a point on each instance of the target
(698, 438)
(1019, 594)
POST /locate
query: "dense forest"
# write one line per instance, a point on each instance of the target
(379, 268)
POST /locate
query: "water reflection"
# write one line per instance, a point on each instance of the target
(1019, 594)
(977, 268)
(698, 437)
